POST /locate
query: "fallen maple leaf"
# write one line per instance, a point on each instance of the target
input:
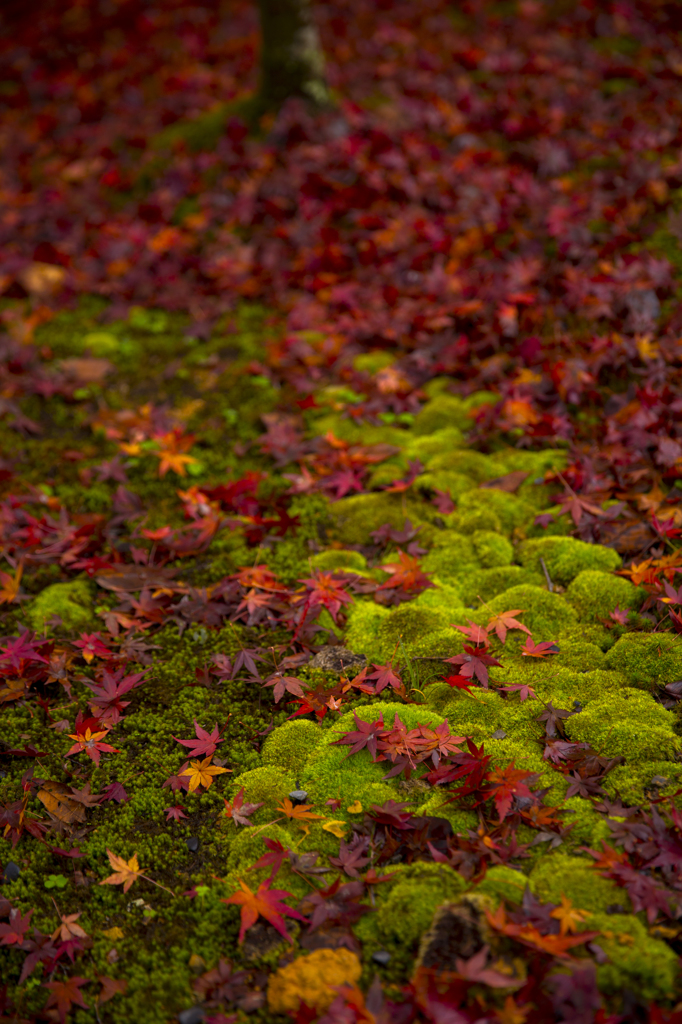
(10, 585)
(205, 742)
(505, 621)
(541, 650)
(89, 742)
(126, 872)
(265, 902)
(68, 929)
(299, 812)
(201, 773)
(568, 916)
(65, 994)
(238, 810)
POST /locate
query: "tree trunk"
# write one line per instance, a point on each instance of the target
(292, 62)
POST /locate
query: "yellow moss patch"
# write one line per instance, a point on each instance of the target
(312, 980)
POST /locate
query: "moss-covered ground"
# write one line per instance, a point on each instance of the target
(94, 528)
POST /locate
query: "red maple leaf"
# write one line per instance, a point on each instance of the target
(474, 663)
(14, 932)
(205, 743)
(541, 650)
(367, 735)
(284, 684)
(265, 902)
(91, 646)
(65, 994)
(326, 590)
(106, 702)
(385, 676)
(477, 634)
(505, 784)
(238, 810)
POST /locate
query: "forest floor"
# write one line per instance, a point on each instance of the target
(340, 518)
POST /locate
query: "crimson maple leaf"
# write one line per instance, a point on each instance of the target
(22, 648)
(174, 813)
(327, 590)
(106, 702)
(91, 646)
(474, 663)
(284, 684)
(367, 735)
(385, 676)
(274, 858)
(238, 810)
(524, 691)
(14, 932)
(265, 902)
(459, 682)
(541, 650)
(406, 574)
(65, 994)
(205, 743)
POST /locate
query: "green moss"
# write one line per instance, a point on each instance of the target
(409, 625)
(406, 913)
(72, 601)
(557, 875)
(339, 560)
(546, 615)
(633, 782)
(289, 745)
(629, 723)
(511, 511)
(637, 961)
(455, 484)
(353, 519)
(460, 819)
(581, 655)
(647, 658)
(503, 883)
(566, 557)
(491, 549)
(364, 620)
(268, 785)
(488, 583)
(450, 561)
(442, 596)
(372, 362)
(440, 412)
(468, 520)
(594, 594)
(476, 466)
(423, 447)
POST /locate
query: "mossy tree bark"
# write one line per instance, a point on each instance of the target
(292, 61)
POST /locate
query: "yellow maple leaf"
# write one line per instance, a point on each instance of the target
(355, 808)
(201, 773)
(337, 828)
(301, 812)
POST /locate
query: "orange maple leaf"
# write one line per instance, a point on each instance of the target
(568, 916)
(172, 453)
(300, 812)
(125, 872)
(504, 621)
(10, 585)
(201, 773)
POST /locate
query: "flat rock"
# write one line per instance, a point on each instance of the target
(338, 659)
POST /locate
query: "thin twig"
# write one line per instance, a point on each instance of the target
(550, 585)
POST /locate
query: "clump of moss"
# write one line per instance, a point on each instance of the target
(353, 519)
(289, 746)
(491, 549)
(511, 511)
(488, 583)
(72, 602)
(502, 882)
(581, 655)
(636, 961)
(566, 557)
(628, 723)
(594, 594)
(546, 614)
(406, 911)
(479, 517)
(439, 413)
(647, 658)
(339, 561)
(557, 875)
